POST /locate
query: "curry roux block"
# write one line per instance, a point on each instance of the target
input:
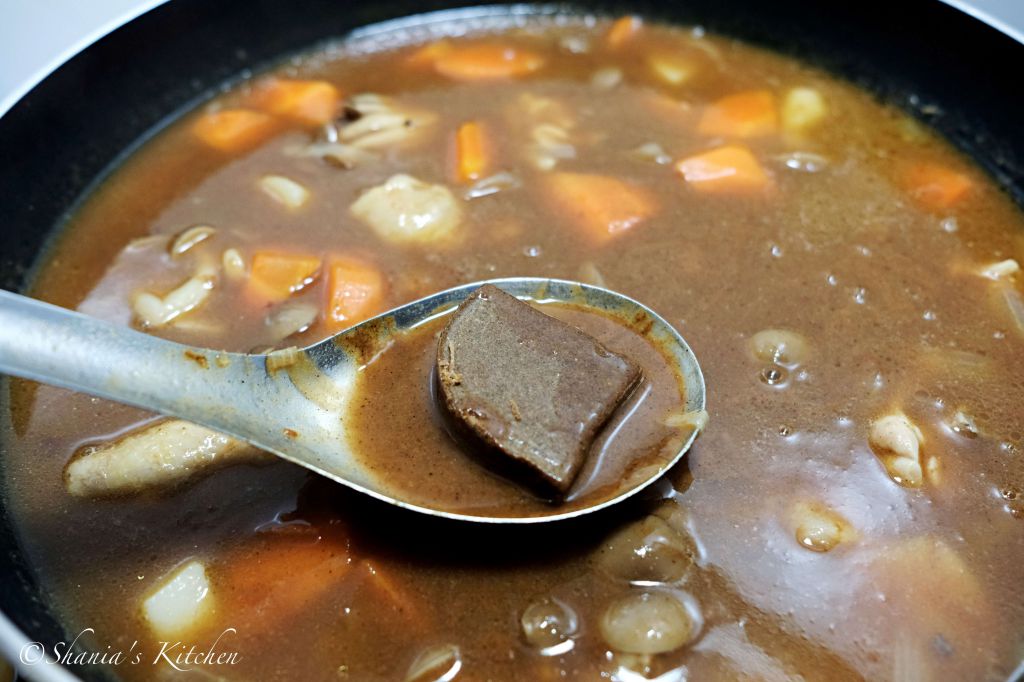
(533, 388)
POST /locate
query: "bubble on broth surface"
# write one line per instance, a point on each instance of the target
(651, 622)
(774, 375)
(780, 347)
(548, 625)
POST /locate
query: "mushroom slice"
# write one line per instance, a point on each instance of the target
(376, 122)
(405, 210)
(190, 237)
(548, 126)
(155, 311)
(284, 191)
(157, 456)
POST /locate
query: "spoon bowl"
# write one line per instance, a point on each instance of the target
(292, 402)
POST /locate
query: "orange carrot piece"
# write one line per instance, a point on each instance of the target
(275, 578)
(600, 207)
(727, 170)
(623, 29)
(355, 291)
(234, 130)
(311, 102)
(936, 186)
(743, 115)
(275, 276)
(471, 151)
(486, 61)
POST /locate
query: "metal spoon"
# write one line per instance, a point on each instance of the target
(293, 402)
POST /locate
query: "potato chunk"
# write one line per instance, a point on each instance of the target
(405, 210)
(180, 603)
(802, 109)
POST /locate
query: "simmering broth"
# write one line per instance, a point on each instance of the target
(853, 508)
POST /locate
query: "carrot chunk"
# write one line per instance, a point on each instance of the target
(277, 577)
(623, 29)
(355, 291)
(486, 61)
(310, 102)
(726, 170)
(743, 115)
(234, 130)
(471, 151)
(936, 186)
(601, 208)
(275, 275)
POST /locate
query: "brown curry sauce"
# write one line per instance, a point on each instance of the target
(881, 284)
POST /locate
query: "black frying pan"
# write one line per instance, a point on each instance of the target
(955, 72)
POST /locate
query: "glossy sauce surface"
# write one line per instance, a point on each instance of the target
(401, 434)
(879, 281)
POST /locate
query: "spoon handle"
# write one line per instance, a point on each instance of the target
(56, 346)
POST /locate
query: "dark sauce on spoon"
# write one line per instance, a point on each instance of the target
(399, 432)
